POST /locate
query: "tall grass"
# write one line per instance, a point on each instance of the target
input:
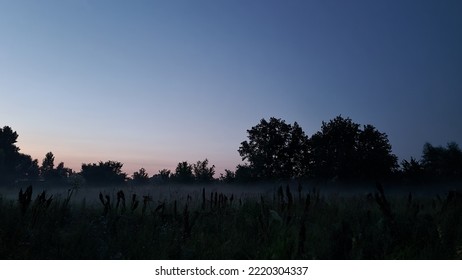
(215, 225)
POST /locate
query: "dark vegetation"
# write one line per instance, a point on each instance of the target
(293, 221)
(342, 151)
(290, 223)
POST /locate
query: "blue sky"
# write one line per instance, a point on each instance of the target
(152, 83)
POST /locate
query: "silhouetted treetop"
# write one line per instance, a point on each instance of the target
(413, 170)
(184, 172)
(109, 172)
(14, 165)
(228, 177)
(442, 161)
(344, 151)
(202, 172)
(48, 165)
(8, 139)
(333, 149)
(275, 149)
(140, 177)
(376, 159)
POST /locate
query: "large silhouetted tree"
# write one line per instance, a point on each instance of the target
(333, 149)
(9, 154)
(13, 164)
(275, 150)
(109, 172)
(244, 174)
(8, 139)
(341, 150)
(376, 159)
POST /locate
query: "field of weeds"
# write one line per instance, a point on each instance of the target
(287, 223)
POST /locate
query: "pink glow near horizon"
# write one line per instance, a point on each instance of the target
(130, 165)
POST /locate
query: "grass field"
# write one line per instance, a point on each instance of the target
(206, 223)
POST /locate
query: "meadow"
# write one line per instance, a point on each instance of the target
(214, 222)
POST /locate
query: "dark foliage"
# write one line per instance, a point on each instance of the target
(14, 166)
(51, 174)
(109, 172)
(276, 149)
(315, 227)
(228, 177)
(442, 162)
(341, 151)
(202, 172)
(184, 173)
(140, 177)
(344, 151)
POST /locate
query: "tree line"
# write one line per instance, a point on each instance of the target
(342, 151)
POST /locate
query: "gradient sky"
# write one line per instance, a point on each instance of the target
(153, 83)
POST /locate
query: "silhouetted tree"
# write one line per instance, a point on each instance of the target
(413, 170)
(51, 174)
(47, 169)
(276, 150)
(109, 172)
(341, 150)
(228, 177)
(27, 169)
(376, 159)
(9, 154)
(165, 174)
(8, 139)
(48, 162)
(184, 173)
(62, 172)
(244, 174)
(333, 149)
(13, 164)
(442, 163)
(202, 172)
(140, 177)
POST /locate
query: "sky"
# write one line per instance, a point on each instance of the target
(153, 83)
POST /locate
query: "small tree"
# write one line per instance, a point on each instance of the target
(49, 173)
(228, 177)
(109, 172)
(47, 169)
(184, 173)
(63, 172)
(140, 177)
(442, 162)
(413, 170)
(165, 174)
(202, 172)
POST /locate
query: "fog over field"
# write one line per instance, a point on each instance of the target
(192, 194)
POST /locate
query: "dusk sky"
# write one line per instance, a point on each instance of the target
(153, 83)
